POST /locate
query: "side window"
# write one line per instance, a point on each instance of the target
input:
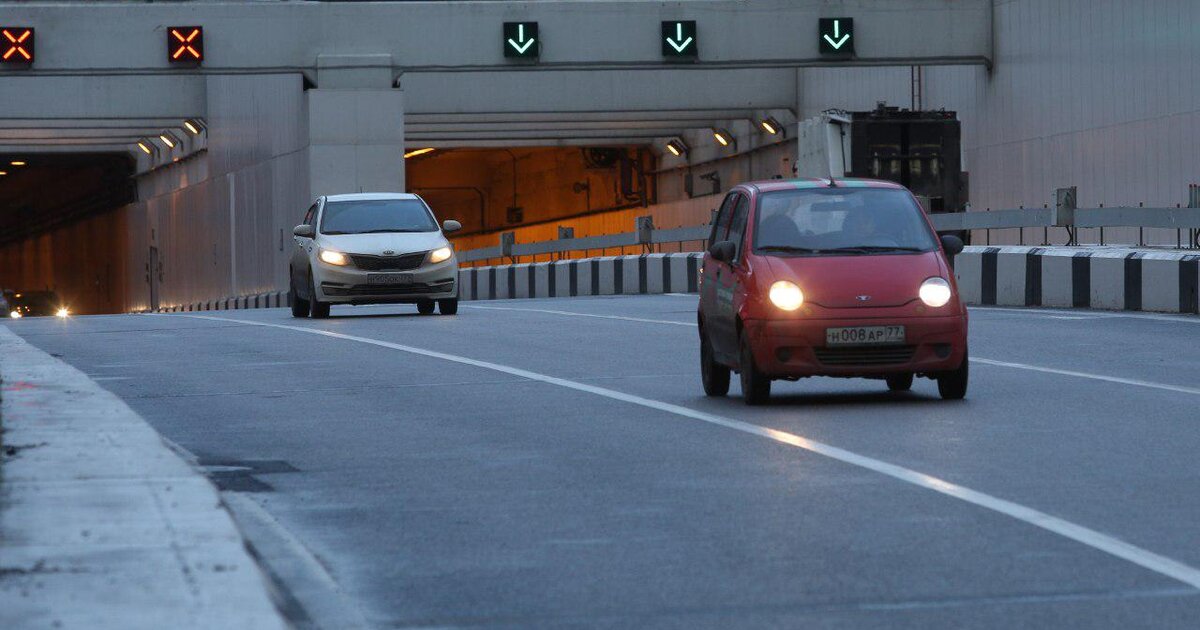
(311, 215)
(737, 224)
(720, 228)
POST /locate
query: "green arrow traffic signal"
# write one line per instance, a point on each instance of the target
(836, 36)
(521, 40)
(679, 39)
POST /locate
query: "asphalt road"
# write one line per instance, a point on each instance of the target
(554, 463)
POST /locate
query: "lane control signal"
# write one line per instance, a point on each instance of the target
(185, 44)
(16, 45)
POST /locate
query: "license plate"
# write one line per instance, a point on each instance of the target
(864, 336)
(389, 278)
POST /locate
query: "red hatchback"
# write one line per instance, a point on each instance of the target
(829, 278)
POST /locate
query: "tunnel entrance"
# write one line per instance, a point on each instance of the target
(63, 227)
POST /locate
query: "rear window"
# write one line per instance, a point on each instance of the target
(845, 220)
(377, 216)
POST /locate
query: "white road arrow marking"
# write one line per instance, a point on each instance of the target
(521, 48)
(679, 37)
(837, 30)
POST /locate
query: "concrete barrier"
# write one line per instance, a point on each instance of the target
(1111, 278)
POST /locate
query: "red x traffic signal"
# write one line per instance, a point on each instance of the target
(16, 45)
(185, 44)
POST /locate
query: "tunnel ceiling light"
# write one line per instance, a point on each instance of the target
(18, 162)
(167, 140)
(723, 137)
(677, 147)
(3, 173)
(770, 125)
(145, 147)
(416, 152)
(194, 126)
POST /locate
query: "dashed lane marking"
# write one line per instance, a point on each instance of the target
(1096, 540)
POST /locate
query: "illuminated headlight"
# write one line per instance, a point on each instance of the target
(15, 314)
(333, 258)
(438, 255)
(935, 292)
(62, 312)
(786, 295)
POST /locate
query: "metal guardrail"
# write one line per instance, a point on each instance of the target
(1064, 214)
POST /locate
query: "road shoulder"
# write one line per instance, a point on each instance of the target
(101, 523)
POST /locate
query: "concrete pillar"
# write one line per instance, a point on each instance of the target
(356, 126)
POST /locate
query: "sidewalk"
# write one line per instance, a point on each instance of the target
(101, 524)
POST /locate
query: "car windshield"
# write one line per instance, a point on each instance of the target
(376, 215)
(841, 221)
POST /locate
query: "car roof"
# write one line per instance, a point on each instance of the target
(772, 185)
(375, 196)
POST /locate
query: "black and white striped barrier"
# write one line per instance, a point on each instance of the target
(1080, 277)
(1072, 277)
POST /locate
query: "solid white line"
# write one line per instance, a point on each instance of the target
(1182, 318)
(1008, 364)
(553, 312)
(1096, 377)
(1092, 538)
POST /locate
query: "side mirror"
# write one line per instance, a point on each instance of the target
(450, 225)
(723, 251)
(952, 245)
(306, 231)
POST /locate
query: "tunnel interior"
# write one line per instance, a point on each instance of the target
(490, 190)
(63, 228)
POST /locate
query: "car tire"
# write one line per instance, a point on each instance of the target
(900, 382)
(953, 385)
(448, 306)
(713, 375)
(425, 307)
(298, 304)
(756, 386)
(316, 308)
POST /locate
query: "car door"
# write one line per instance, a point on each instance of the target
(729, 282)
(300, 254)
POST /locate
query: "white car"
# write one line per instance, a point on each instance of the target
(373, 248)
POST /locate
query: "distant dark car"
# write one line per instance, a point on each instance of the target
(35, 304)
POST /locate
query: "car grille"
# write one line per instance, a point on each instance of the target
(388, 263)
(366, 290)
(865, 355)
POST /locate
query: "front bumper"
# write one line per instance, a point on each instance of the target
(796, 348)
(349, 285)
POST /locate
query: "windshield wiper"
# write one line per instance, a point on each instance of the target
(886, 248)
(789, 248)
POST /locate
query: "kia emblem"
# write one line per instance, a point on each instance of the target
(863, 298)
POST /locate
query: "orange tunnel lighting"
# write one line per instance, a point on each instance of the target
(417, 152)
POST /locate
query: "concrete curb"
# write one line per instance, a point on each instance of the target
(102, 525)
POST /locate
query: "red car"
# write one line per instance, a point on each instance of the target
(819, 277)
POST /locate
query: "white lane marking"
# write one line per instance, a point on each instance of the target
(1097, 377)
(553, 312)
(1008, 364)
(1089, 537)
(1047, 312)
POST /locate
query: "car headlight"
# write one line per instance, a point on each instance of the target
(334, 258)
(935, 292)
(786, 295)
(15, 314)
(440, 254)
(62, 312)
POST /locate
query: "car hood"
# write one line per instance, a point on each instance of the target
(842, 281)
(396, 243)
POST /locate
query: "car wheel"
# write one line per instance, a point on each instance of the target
(756, 386)
(448, 306)
(425, 307)
(900, 382)
(953, 385)
(714, 375)
(316, 308)
(298, 304)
